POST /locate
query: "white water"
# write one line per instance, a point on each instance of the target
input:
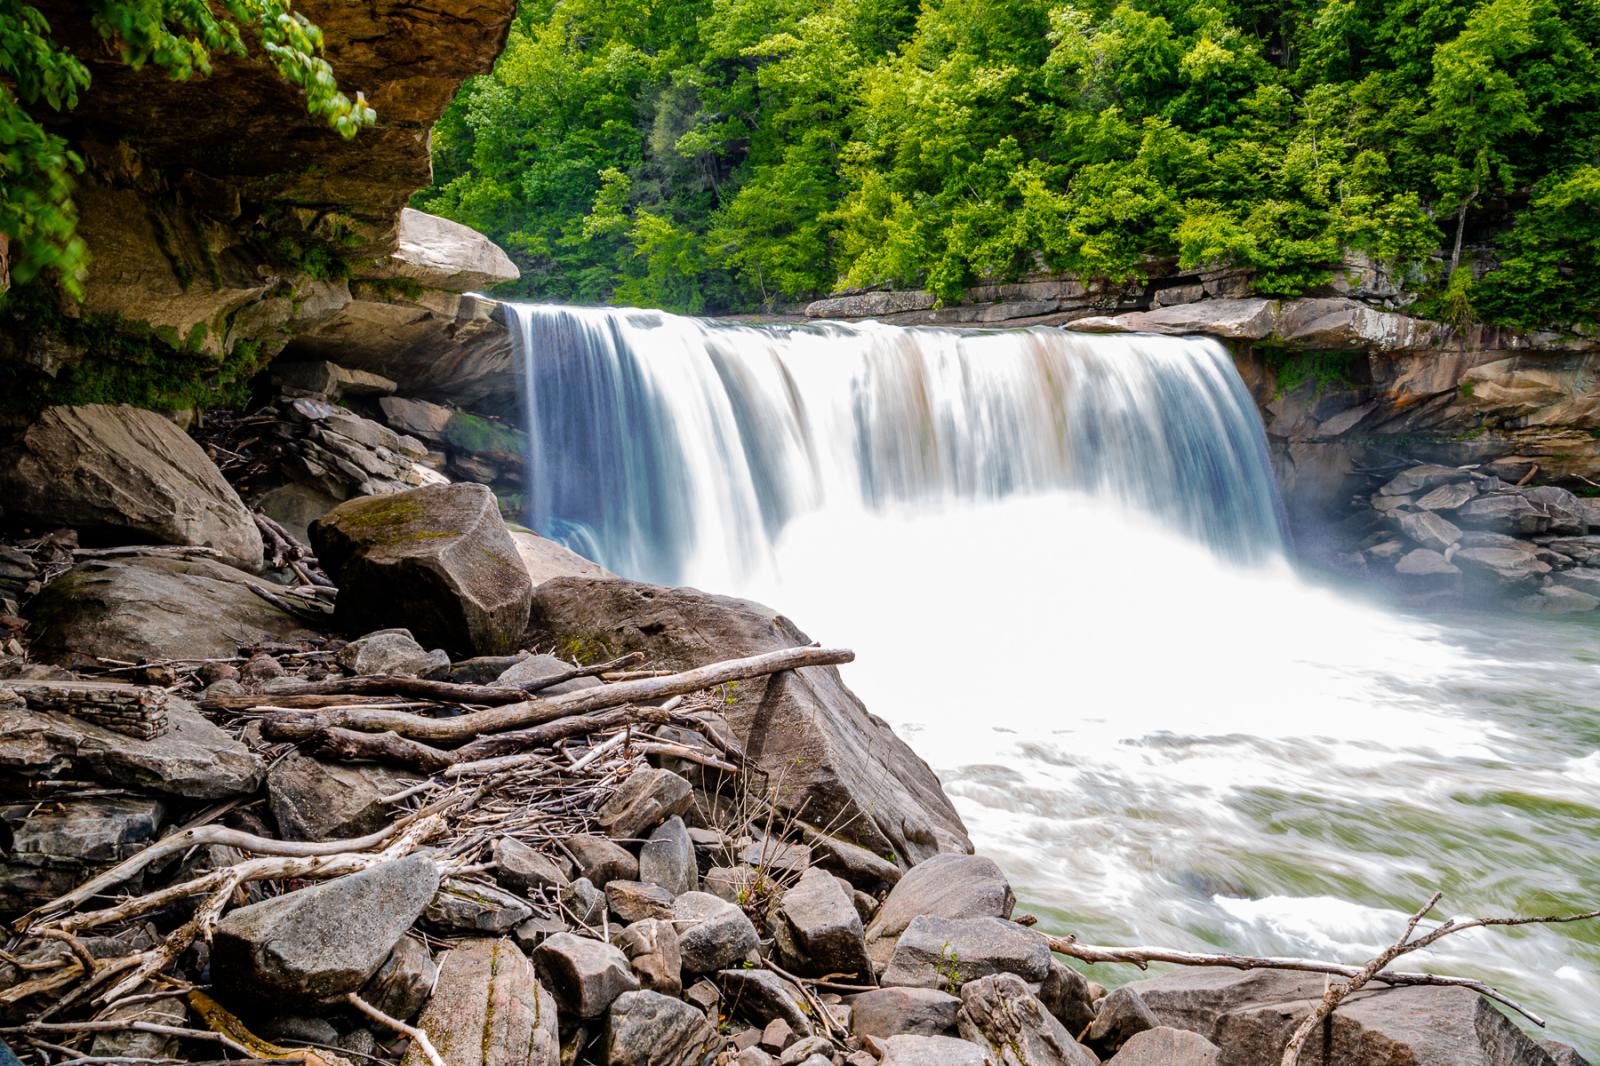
(1061, 564)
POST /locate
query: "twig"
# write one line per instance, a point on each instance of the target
(417, 1035)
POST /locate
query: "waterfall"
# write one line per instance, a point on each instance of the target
(676, 450)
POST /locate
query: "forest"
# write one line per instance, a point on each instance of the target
(722, 155)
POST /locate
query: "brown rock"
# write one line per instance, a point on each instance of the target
(489, 1009)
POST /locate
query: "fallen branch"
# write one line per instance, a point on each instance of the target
(535, 712)
(419, 1036)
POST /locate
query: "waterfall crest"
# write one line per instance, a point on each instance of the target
(675, 450)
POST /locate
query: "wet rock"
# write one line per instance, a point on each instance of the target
(1558, 599)
(1506, 567)
(53, 848)
(128, 473)
(945, 886)
(193, 758)
(1120, 1016)
(142, 608)
(391, 653)
(999, 1014)
(644, 800)
(586, 975)
(1429, 530)
(1167, 1047)
(489, 1009)
(886, 1012)
(1447, 497)
(324, 940)
(801, 727)
(524, 869)
(632, 901)
(713, 934)
(760, 996)
(473, 907)
(601, 860)
(1250, 1016)
(1425, 564)
(438, 559)
(1067, 995)
(932, 1051)
(667, 858)
(650, 1027)
(817, 929)
(948, 952)
(404, 981)
(651, 946)
(315, 800)
(1503, 512)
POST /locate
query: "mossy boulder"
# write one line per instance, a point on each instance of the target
(437, 561)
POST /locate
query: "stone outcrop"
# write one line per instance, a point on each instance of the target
(804, 728)
(134, 476)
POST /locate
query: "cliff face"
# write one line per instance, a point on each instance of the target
(225, 222)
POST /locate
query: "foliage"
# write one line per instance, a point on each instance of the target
(724, 154)
(38, 75)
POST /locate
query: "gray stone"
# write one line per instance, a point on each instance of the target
(438, 253)
(704, 994)
(404, 980)
(193, 758)
(807, 1050)
(1430, 530)
(713, 934)
(601, 860)
(322, 941)
(644, 800)
(1420, 479)
(648, 1027)
(315, 800)
(1584, 579)
(945, 886)
(1503, 512)
(1162, 1046)
(474, 907)
(1585, 551)
(732, 883)
(301, 1029)
(948, 952)
(536, 930)
(817, 930)
(1567, 512)
(329, 380)
(1507, 567)
(1447, 497)
(772, 856)
(489, 1010)
(651, 946)
(885, 1012)
(863, 869)
(632, 901)
(142, 608)
(416, 417)
(127, 472)
(754, 1056)
(1563, 1054)
(53, 848)
(295, 506)
(585, 974)
(759, 996)
(1558, 599)
(545, 560)
(667, 858)
(583, 903)
(804, 728)
(932, 1051)
(133, 1044)
(537, 667)
(1119, 1017)
(523, 869)
(1068, 995)
(1426, 564)
(999, 1014)
(436, 559)
(391, 653)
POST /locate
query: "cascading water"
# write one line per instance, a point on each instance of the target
(1062, 564)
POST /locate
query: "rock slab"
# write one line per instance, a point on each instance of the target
(489, 1009)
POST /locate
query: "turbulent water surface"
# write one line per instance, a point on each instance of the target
(1062, 563)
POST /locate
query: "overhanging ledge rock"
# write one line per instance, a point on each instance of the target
(818, 745)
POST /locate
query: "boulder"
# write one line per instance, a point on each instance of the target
(1419, 479)
(522, 868)
(948, 952)
(1585, 579)
(533, 668)
(817, 930)
(759, 996)
(465, 907)
(585, 974)
(1119, 1017)
(583, 903)
(999, 1014)
(1558, 599)
(320, 942)
(143, 608)
(315, 800)
(863, 869)
(391, 653)
(125, 473)
(713, 934)
(1585, 551)
(1447, 497)
(546, 560)
(1167, 1047)
(801, 727)
(53, 848)
(631, 901)
(1507, 567)
(648, 1027)
(1563, 1054)
(601, 860)
(1567, 513)
(1429, 530)
(651, 946)
(667, 858)
(1320, 324)
(438, 253)
(886, 1012)
(945, 886)
(136, 1045)
(1250, 1015)
(1425, 564)
(1066, 994)
(489, 1009)
(437, 559)
(419, 418)
(644, 800)
(1503, 512)
(328, 381)
(404, 981)
(193, 758)
(908, 1050)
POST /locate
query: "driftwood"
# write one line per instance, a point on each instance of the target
(459, 730)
